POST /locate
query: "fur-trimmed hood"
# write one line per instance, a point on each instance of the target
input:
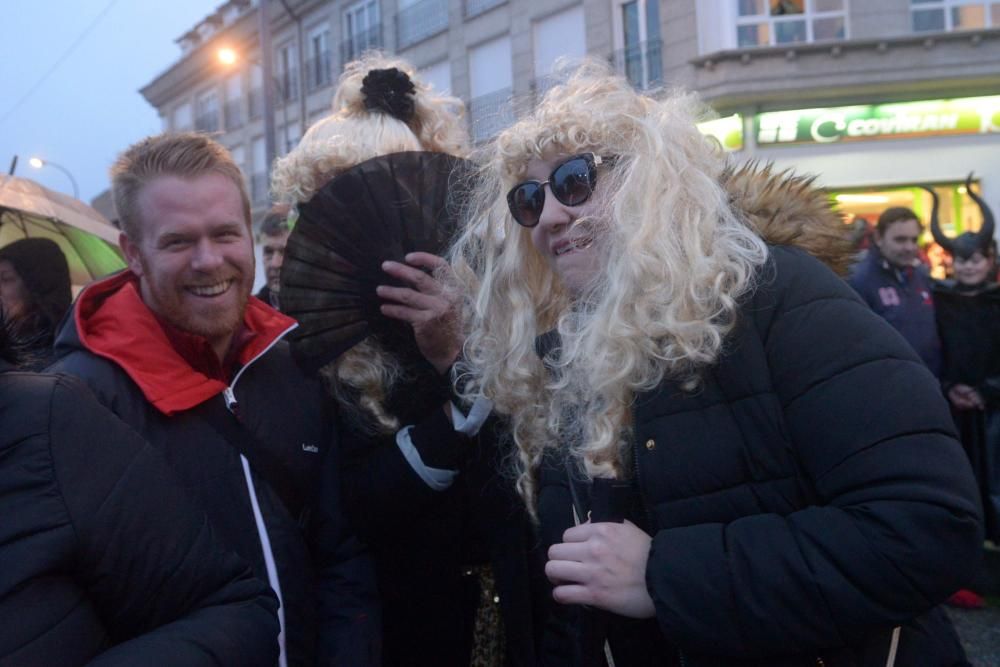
(787, 209)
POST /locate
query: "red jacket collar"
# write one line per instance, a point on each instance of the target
(113, 322)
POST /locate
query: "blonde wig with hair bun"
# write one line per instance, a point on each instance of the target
(677, 260)
(361, 378)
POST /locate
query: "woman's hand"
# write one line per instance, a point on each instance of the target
(964, 397)
(602, 565)
(426, 306)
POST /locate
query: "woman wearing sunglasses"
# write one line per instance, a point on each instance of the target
(731, 460)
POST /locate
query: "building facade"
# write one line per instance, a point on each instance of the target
(876, 97)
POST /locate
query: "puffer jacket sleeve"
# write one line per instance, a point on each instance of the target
(168, 593)
(895, 526)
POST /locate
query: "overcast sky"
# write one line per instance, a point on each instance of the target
(88, 108)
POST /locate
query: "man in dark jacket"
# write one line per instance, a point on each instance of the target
(105, 560)
(273, 238)
(175, 340)
(896, 287)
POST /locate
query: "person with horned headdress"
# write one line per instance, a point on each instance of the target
(968, 317)
(731, 459)
(448, 536)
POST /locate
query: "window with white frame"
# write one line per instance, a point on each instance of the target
(206, 118)
(286, 70)
(318, 63)
(562, 35)
(490, 85)
(638, 48)
(362, 29)
(949, 15)
(776, 22)
(290, 136)
(258, 173)
(233, 111)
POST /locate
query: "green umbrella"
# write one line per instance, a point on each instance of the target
(88, 240)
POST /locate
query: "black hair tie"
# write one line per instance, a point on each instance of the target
(389, 91)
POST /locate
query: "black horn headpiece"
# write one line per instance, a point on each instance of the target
(964, 245)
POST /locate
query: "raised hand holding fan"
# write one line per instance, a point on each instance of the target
(379, 210)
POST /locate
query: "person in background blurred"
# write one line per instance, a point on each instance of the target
(273, 238)
(35, 293)
(897, 286)
(968, 319)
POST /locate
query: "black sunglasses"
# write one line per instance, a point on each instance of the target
(572, 182)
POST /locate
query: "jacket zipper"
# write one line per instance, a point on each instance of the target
(229, 393)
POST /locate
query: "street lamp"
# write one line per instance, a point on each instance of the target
(228, 57)
(38, 163)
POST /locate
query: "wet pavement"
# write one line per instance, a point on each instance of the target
(979, 629)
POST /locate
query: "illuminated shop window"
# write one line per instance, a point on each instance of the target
(775, 22)
(949, 15)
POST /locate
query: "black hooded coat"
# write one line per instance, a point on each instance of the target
(808, 504)
(968, 319)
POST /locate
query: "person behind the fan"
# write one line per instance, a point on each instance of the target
(772, 472)
(968, 318)
(272, 238)
(418, 482)
(179, 350)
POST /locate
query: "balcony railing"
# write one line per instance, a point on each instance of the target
(540, 86)
(256, 103)
(287, 86)
(477, 7)
(318, 71)
(420, 21)
(207, 122)
(641, 64)
(490, 113)
(361, 42)
(259, 194)
(233, 114)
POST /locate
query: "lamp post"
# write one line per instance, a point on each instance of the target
(38, 163)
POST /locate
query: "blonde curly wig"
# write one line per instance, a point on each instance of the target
(676, 260)
(363, 376)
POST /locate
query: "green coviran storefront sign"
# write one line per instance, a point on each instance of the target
(970, 115)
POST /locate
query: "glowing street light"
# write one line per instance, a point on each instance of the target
(227, 55)
(38, 163)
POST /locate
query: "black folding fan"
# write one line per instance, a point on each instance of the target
(379, 210)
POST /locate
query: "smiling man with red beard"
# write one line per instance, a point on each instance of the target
(176, 346)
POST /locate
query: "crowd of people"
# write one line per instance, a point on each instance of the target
(632, 413)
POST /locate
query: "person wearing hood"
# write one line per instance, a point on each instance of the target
(732, 460)
(35, 293)
(968, 317)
